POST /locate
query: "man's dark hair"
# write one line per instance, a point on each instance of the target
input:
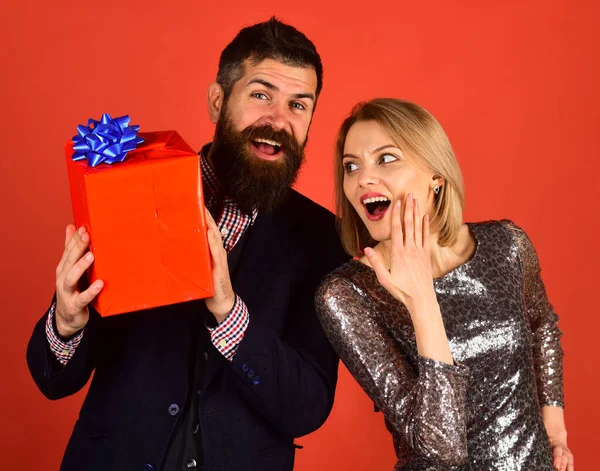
(269, 40)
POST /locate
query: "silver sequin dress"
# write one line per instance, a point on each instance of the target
(483, 412)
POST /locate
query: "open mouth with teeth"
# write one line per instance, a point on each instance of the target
(267, 148)
(376, 207)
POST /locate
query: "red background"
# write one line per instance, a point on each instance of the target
(515, 84)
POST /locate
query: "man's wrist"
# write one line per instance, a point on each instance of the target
(63, 349)
(227, 336)
(64, 331)
(65, 335)
(222, 311)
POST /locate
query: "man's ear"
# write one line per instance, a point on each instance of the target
(215, 97)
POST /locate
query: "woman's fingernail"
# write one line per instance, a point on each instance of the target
(368, 251)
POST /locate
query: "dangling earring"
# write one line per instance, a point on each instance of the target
(436, 189)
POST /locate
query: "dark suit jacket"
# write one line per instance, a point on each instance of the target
(141, 362)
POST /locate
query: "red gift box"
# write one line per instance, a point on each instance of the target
(146, 223)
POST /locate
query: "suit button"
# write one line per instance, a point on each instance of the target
(173, 409)
(205, 355)
(250, 373)
(190, 463)
(148, 467)
(256, 380)
(245, 367)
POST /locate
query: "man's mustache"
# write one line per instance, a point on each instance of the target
(282, 137)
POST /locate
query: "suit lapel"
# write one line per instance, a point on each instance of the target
(260, 260)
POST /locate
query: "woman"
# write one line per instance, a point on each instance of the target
(445, 325)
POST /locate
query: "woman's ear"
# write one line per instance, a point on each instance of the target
(215, 98)
(436, 183)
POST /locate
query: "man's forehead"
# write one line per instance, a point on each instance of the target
(280, 74)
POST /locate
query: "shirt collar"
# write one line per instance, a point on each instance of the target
(210, 182)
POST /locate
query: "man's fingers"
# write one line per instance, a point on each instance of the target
(210, 220)
(215, 244)
(75, 238)
(69, 233)
(79, 247)
(222, 301)
(87, 296)
(71, 280)
(212, 245)
(69, 243)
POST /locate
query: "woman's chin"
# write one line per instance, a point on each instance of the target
(380, 236)
(378, 230)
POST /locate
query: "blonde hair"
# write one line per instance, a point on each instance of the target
(415, 130)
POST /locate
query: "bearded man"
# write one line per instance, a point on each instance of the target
(225, 383)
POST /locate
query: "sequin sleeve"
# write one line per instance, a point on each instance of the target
(547, 350)
(424, 402)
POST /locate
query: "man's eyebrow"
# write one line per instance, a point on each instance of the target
(309, 96)
(270, 86)
(264, 83)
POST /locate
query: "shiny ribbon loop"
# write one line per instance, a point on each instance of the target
(105, 141)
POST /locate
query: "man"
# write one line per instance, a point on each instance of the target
(229, 382)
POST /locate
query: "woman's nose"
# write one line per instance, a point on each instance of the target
(368, 176)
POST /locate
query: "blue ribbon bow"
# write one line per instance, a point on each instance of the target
(105, 141)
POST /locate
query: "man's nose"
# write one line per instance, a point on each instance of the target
(276, 117)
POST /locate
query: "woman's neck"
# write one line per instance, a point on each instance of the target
(444, 259)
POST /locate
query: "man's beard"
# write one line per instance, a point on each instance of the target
(253, 182)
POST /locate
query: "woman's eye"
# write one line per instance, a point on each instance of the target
(259, 95)
(387, 158)
(350, 167)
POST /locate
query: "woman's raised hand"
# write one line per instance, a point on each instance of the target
(409, 278)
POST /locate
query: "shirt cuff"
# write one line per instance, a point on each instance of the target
(228, 335)
(63, 350)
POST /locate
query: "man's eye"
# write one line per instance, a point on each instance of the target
(387, 158)
(298, 106)
(350, 167)
(260, 96)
